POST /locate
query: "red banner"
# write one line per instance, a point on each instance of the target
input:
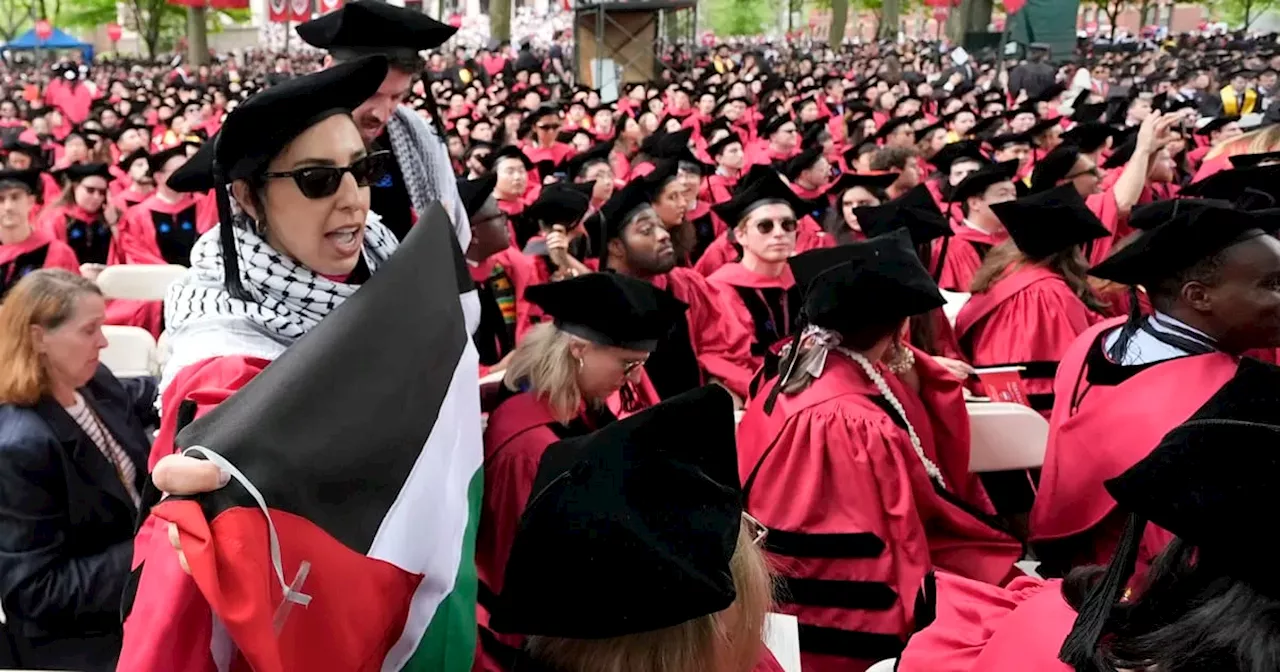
(229, 4)
(299, 10)
(327, 6)
(277, 11)
(1012, 6)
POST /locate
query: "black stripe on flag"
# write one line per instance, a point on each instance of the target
(331, 429)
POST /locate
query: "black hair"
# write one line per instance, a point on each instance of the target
(1188, 616)
(1164, 293)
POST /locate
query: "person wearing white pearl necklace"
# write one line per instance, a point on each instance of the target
(839, 460)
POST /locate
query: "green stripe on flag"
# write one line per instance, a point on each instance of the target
(449, 644)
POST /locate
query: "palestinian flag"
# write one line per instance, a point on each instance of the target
(357, 463)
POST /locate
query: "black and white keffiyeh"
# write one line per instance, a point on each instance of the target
(203, 320)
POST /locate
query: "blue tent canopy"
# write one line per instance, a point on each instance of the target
(58, 40)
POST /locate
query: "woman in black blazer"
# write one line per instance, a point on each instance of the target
(73, 455)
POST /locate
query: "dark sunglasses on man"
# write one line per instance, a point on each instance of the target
(323, 181)
(765, 226)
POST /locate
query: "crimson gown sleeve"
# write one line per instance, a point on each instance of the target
(136, 237)
(970, 613)
(508, 478)
(60, 255)
(1104, 206)
(170, 625)
(721, 343)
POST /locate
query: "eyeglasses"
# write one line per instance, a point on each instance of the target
(632, 365)
(755, 528)
(323, 181)
(765, 226)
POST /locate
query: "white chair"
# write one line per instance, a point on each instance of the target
(884, 666)
(140, 282)
(954, 302)
(1005, 437)
(130, 351)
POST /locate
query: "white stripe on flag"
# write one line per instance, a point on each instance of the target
(423, 531)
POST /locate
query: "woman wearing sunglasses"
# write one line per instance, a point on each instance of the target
(760, 287)
(567, 377)
(540, 130)
(301, 241)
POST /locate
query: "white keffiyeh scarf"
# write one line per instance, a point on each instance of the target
(203, 320)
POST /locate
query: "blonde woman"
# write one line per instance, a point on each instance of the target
(556, 386)
(670, 579)
(73, 449)
(1258, 141)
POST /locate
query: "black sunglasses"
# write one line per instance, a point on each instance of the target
(765, 226)
(323, 181)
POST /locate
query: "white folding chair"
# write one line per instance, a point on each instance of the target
(140, 282)
(130, 351)
(954, 302)
(1005, 437)
(883, 666)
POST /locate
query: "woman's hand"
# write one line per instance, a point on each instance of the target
(956, 367)
(110, 214)
(182, 475)
(558, 246)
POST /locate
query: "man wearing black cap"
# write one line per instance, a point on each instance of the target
(980, 229)
(423, 172)
(163, 228)
(1211, 273)
(22, 248)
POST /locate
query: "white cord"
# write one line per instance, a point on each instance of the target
(930, 468)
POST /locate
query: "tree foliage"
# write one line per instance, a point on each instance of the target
(1242, 13)
(728, 18)
(158, 24)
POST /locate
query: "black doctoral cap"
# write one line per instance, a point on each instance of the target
(126, 162)
(892, 125)
(1089, 136)
(1088, 113)
(1231, 185)
(490, 162)
(561, 203)
(923, 134)
(717, 148)
(915, 211)
(609, 309)
(1055, 165)
(257, 130)
(1193, 230)
(155, 162)
(876, 281)
(619, 210)
(599, 153)
(756, 190)
(1050, 221)
(28, 179)
(196, 175)
(475, 192)
(956, 151)
(1253, 160)
(1205, 481)
(801, 162)
(362, 27)
(871, 181)
(78, 171)
(979, 180)
(1009, 139)
(659, 493)
(1216, 124)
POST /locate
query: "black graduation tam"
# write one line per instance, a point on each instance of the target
(978, 181)
(1055, 165)
(1230, 185)
(597, 154)
(771, 126)
(986, 125)
(1122, 154)
(1089, 136)
(1216, 124)
(813, 132)
(619, 210)
(629, 529)
(999, 142)
(370, 27)
(474, 193)
(257, 130)
(802, 162)
(1253, 160)
(196, 175)
(15, 145)
(561, 203)
(609, 309)
(136, 154)
(876, 181)
(759, 187)
(507, 152)
(1050, 94)
(28, 179)
(924, 133)
(876, 281)
(717, 148)
(1090, 112)
(1049, 222)
(955, 151)
(155, 162)
(1193, 230)
(892, 125)
(916, 211)
(1040, 128)
(78, 171)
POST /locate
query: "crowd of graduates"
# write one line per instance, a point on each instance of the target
(765, 234)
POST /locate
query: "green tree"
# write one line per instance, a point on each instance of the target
(740, 17)
(15, 18)
(158, 24)
(1243, 13)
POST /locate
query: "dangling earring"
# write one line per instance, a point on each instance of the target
(580, 365)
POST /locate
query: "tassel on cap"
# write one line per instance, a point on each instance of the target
(1080, 647)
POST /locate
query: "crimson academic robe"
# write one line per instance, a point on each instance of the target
(709, 343)
(50, 189)
(766, 306)
(557, 153)
(519, 431)
(1028, 318)
(762, 152)
(984, 628)
(1102, 424)
(719, 190)
(159, 232)
(505, 316)
(809, 236)
(957, 258)
(39, 250)
(126, 198)
(831, 475)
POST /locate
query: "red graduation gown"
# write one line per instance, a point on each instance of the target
(719, 190)
(38, 251)
(521, 272)
(964, 253)
(159, 232)
(171, 625)
(557, 153)
(1106, 431)
(721, 344)
(125, 198)
(984, 628)
(1027, 318)
(767, 327)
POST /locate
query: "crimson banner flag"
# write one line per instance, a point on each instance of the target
(299, 10)
(327, 6)
(277, 11)
(1012, 6)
